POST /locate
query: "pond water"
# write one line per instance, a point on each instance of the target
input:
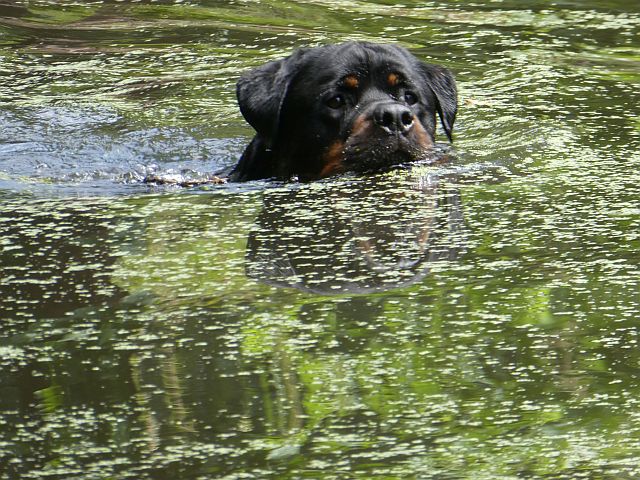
(475, 320)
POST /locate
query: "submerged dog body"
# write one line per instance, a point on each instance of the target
(355, 106)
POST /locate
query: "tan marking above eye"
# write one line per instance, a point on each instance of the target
(393, 79)
(351, 81)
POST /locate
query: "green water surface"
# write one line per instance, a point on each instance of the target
(476, 320)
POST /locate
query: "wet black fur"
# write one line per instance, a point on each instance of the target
(285, 101)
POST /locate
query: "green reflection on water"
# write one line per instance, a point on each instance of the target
(477, 320)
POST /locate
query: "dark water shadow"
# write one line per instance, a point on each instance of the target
(363, 236)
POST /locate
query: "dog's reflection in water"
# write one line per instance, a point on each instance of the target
(371, 235)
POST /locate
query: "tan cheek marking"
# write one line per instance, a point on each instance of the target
(393, 79)
(333, 160)
(424, 140)
(360, 124)
(351, 81)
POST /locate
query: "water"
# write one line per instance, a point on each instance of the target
(472, 320)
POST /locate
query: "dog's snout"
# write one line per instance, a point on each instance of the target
(393, 118)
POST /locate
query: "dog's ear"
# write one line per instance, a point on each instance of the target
(262, 91)
(443, 85)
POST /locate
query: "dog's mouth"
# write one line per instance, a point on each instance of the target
(382, 152)
(385, 135)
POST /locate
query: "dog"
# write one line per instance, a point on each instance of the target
(355, 106)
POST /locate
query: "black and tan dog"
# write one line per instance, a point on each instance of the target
(355, 106)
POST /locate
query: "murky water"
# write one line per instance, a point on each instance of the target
(477, 320)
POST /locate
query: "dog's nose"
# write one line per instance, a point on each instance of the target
(393, 118)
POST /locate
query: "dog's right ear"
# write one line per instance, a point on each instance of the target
(262, 91)
(443, 85)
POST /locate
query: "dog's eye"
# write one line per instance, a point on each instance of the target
(337, 101)
(410, 98)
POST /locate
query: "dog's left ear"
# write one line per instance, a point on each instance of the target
(443, 85)
(261, 93)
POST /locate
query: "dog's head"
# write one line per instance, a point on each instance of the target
(355, 106)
